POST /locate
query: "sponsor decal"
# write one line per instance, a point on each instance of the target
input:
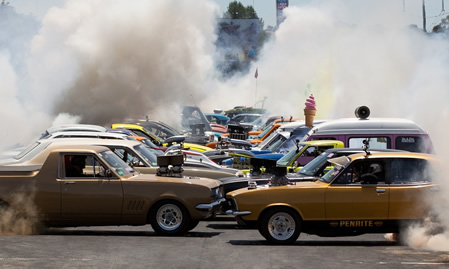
(378, 223)
(355, 223)
(408, 140)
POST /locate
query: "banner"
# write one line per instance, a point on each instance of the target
(280, 5)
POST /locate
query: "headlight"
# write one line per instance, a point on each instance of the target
(214, 194)
(217, 193)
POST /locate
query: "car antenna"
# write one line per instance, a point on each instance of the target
(297, 145)
(366, 147)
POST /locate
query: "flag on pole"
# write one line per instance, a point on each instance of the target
(257, 73)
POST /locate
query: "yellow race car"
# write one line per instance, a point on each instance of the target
(372, 192)
(142, 131)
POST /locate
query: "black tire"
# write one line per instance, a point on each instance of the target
(193, 224)
(246, 223)
(280, 226)
(170, 218)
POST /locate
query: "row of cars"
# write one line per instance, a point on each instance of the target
(121, 185)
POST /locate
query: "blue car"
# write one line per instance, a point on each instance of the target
(217, 118)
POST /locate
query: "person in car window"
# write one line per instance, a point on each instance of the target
(76, 167)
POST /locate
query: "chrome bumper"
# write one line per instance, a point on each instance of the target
(211, 206)
(237, 213)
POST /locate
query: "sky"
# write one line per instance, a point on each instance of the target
(360, 9)
(102, 61)
(411, 10)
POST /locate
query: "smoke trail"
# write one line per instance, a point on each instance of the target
(22, 219)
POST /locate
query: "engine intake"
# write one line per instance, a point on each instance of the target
(170, 165)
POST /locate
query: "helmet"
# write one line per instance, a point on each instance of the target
(376, 168)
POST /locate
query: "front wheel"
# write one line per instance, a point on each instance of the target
(170, 218)
(280, 226)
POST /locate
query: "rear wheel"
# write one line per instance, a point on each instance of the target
(280, 226)
(170, 218)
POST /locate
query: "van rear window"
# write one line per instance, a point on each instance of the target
(411, 143)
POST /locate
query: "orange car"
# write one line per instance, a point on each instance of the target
(279, 121)
(264, 134)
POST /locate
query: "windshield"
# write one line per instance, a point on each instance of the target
(275, 145)
(26, 150)
(44, 135)
(289, 144)
(287, 158)
(160, 130)
(268, 139)
(264, 132)
(340, 164)
(329, 176)
(146, 154)
(157, 138)
(119, 166)
(317, 165)
(193, 116)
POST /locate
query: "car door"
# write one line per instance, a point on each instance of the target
(411, 189)
(348, 198)
(91, 198)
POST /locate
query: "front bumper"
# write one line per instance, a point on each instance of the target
(212, 206)
(237, 213)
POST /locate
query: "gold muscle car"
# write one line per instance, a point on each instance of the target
(364, 193)
(82, 185)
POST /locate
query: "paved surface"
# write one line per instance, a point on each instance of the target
(213, 244)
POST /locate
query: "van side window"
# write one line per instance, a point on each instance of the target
(324, 138)
(381, 142)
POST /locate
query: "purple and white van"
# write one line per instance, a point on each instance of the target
(381, 133)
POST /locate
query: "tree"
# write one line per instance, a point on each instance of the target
(237, 10)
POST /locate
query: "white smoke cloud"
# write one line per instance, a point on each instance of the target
(114, 59)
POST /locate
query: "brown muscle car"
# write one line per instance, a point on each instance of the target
(82, 185)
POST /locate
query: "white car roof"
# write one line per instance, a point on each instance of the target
(75, 127)
(367, 126)
(37, 147)
(87, 134)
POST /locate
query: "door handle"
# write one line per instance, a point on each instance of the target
(381, 190)
(69, 182)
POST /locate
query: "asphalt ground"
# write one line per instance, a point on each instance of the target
(218, 243)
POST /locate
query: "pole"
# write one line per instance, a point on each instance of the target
(255, 95)
(256, 75)
(424, 16)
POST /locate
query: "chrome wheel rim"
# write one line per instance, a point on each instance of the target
(281, 226)
(169, 217)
